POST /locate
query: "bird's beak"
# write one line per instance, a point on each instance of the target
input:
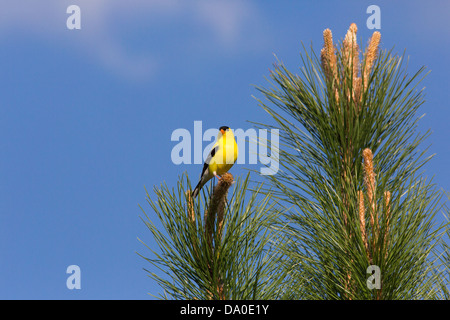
(222, 131)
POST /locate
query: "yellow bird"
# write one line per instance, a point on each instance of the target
(221, 158)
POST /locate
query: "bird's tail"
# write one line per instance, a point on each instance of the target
(197, 190)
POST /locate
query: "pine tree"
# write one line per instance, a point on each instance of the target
(350, 197)
(350, 174)
(212, 248)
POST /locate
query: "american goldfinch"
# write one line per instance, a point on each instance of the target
(221, 158)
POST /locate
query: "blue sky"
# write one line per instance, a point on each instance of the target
(86, 116)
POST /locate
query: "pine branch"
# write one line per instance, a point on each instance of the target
(212, 248)
(350, 173)
(217, 207)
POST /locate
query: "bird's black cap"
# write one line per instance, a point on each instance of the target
(223, 128)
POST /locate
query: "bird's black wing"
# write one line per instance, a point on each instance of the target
(204, 174)
(208, 159)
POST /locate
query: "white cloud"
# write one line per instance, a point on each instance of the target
(226, 17)
(221, 19)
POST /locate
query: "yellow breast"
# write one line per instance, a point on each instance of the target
(226, 156)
